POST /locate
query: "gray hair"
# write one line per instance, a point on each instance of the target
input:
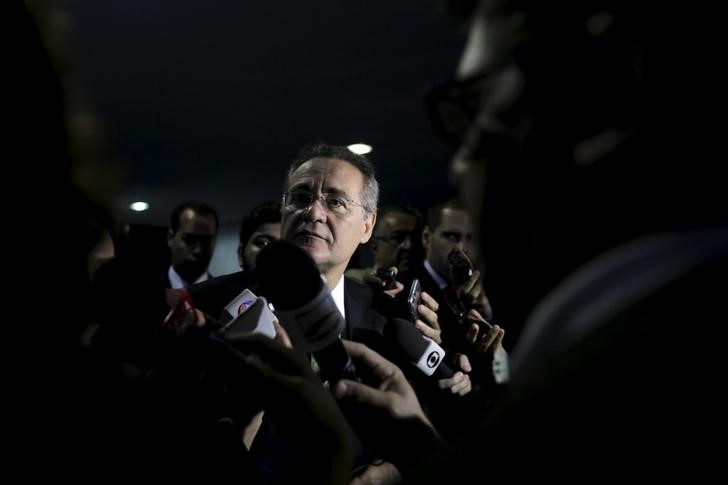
(370, 190)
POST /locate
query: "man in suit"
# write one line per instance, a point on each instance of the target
(191, 240)
(329, 208)
(449, 229)
(395, 242)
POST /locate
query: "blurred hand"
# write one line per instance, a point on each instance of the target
(281, 335)
(396, 425)
(288, 386)
(471, 296)
(482, 336)
(429, 324)
(393, 393)
(391, 288)
(381, 473)
(460, 382)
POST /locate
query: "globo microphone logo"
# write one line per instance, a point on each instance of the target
(433, 359)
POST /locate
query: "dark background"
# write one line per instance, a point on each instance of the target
(211, 100)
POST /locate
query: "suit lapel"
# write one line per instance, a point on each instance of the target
(354, 312)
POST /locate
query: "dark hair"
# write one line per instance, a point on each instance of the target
(195, 206)
(434, 214)
(265, 213)
(401, 209)
(370, 191)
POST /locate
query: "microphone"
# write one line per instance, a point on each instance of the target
(422, 351)
(289, 278)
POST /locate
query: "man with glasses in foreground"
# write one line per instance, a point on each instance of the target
(587, 160)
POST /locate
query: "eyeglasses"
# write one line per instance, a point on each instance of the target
(333, 203)
(397, 237)
(452, 106)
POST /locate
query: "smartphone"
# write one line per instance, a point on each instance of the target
(257, 318)
(388, 276)
(461, 269)
(413, 299)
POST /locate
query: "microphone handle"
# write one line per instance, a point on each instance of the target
(335, 362)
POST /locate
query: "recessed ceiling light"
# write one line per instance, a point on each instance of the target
(360, 148)
(139, 206)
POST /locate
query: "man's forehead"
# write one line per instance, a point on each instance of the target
(494, 33)
(193, 222)
(337, 174)
(321, 166)
(452, 216)
(399, 219)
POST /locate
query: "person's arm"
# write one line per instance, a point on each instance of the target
(287, 386)
(397, 425)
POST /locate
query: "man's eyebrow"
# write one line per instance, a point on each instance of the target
(300, 185)
(335, 191)
(326, 190)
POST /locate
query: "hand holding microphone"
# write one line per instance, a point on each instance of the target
(428, 356)
(396, 426)
(288, 387)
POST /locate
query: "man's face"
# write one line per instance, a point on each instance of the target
(329, 237)
(393, 236)
(454, 230)
(501, 85)
(265, 234)
(193, 244)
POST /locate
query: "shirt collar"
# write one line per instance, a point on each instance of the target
(338, 295)
(441, 282)
(176, 281)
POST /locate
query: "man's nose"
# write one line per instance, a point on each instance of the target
(468, 249)
(463, 246)
(315, 212)
(407, 243)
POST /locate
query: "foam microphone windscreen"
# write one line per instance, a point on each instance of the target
(287, 275)
(289, 278)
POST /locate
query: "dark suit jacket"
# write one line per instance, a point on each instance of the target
(363, 322)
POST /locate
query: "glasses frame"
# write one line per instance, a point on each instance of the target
(323, 197)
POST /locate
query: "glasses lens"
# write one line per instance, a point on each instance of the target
(298, 199)
(336, 203)
(451, 110)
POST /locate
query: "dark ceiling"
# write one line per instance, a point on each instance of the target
(210, 100)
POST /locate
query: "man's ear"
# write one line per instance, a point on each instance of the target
(426, 237)
(369, 223)
(241, 252)
(170, 236)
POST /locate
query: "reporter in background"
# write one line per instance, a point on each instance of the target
(260, 226)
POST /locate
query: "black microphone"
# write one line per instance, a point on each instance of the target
(423, 352)
(303, 304)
